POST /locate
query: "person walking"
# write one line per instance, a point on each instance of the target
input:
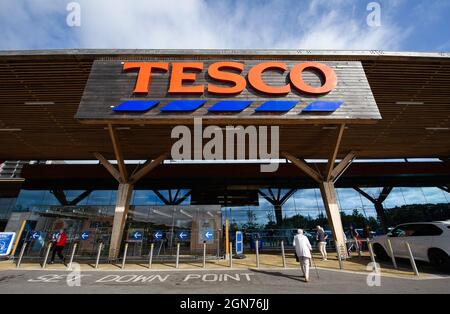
(303, 252)
(321, 238)
(58, 246)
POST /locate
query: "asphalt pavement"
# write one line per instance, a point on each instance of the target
(253, 281)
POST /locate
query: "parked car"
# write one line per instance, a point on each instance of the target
(429, 242)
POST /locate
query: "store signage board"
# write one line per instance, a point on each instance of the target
(167, 91)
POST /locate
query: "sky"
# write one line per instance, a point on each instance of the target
(395, 25)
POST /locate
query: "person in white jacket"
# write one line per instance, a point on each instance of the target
(303, 250)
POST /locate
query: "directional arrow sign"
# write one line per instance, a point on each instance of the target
(35, 235)
(183, 235)
(85, 235)
(158, 235)
(137, 235)
(208, 235)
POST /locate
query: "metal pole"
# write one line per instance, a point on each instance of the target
(282, 254)
(72, 255)
(22, 251)
(341, 265)
(391, 253)
(230, 252)
(411, 258)
(178, 255)
(46, 254)
(204, 254)
(124, 258)
(372, 256)
(218, 244)
(257, 253)
(150, 257)
(100, 247)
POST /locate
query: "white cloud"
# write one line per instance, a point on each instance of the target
(195, 24)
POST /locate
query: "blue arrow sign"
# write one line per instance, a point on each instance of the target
(85, 235)
(183, 235)
(35, 235)
(137, 235)
(208, 235)
(158, 235)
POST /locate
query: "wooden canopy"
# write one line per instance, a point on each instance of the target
(40, 92)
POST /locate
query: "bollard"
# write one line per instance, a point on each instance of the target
(411, 258)
(372, 256)
(231, 254)
(150, 256)
(124, 258)
(99, 252)
(358, 248)
(204, 254)
(72, 255)
(257, 253)
(282, 254)
(22, 251)
(339, 257)
(178, 255)
(391, 253)
(46, 254)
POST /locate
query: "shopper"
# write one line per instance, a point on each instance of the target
(58, 246)
(321, 238)
(303, 252)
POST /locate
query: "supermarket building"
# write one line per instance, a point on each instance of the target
(344, 121)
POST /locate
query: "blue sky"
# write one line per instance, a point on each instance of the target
(409, 25)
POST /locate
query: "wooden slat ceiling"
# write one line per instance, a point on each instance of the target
(40, 93)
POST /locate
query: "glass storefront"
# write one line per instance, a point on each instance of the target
(272, 216)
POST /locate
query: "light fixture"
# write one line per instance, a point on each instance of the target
(186, 214)
(161, 213)
(332, 127)
(120, 128)
(39, 103)
(437, 129)
(412, 103)
(10, 130)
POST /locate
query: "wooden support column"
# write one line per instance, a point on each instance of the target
(120, 217)
(326, 182)
(329, 197)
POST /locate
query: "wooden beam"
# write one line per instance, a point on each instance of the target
(343, 165)
(334, 152)
(118, 153)
(147, 167)
(120, 217)
(111, 169)
(303, 166)
(330, 202)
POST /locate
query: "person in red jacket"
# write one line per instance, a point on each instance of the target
(58, 246)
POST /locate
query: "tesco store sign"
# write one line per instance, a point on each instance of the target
(231, 73)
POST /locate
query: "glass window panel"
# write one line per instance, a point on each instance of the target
(434, 195)
(29, 198)
(100, 197)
